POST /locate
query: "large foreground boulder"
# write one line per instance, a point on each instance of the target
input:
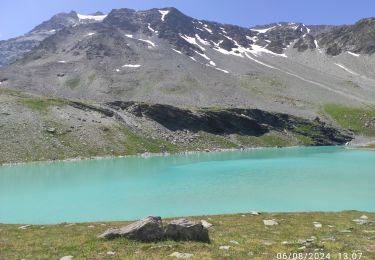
(146, 230)
(186, 230)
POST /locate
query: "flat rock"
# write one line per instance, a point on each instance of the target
(145, 230)
(186, 230)
(224, 247)
(68, 257)
(270, 222)
(181, 255)
(317, 225)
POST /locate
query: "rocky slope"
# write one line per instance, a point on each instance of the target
(36, 128)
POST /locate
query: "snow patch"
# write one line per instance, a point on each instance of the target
(131, 66)
(191, 40)
(91, 34)
(129, 36)
(52, 31)
(118, 70)
(346, 69)
(150, 28)
(163, 13)
(207, 29)
(98, 18)
(148, 42)
(317, 46)
(202, 41)
(61, 61)
(263, 30)
(212, 63)
(225, 71)
(177, 51)
(354, 54)
(203, 55)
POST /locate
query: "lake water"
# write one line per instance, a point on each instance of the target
(290, 179)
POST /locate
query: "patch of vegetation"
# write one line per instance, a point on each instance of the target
(41, 104)
(254, 239)
(360, 120)
(268, 140)
(215, 141)
(73, 82)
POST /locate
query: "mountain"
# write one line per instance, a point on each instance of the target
(164, 56)
(159, 80)
(13, 49)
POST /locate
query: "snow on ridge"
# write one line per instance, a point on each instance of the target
(91, 34)
(258, 50)
(163, 13)
(262, 30)
(346, 69)
(131, 66)
(61, 61)
(129, 36)
(191, 40)
(354, 54)
(98, 18)
(52, 31)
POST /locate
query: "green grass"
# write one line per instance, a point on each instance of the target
(268, 140)
(352, 118)
(41, 104)
(256, 241)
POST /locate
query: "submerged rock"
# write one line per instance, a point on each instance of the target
(186, 230)
(146, 230)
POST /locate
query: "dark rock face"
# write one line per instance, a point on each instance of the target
(253, 122)
(186, 230)
(146, 230)
(357, 38)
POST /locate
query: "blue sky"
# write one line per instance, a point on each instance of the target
(20, 16)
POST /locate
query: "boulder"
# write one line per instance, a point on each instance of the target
(145, 230)
(186, 230)
(270, 222)
(181, 255)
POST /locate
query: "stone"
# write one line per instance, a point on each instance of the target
(364, 217)
(68, 257)
(254, 213)
(51, 130)
(181, 255)
(111, 253)
(186, 230)
(145, 230)
(24, 227)
(317, 225)
(206, 224)
(234, 242)
(270, 222)
(224, 247)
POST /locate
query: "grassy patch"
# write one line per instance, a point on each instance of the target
(353, 118)
(255, 240)
(42, 104)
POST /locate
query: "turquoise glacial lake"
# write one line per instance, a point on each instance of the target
(272, 180)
